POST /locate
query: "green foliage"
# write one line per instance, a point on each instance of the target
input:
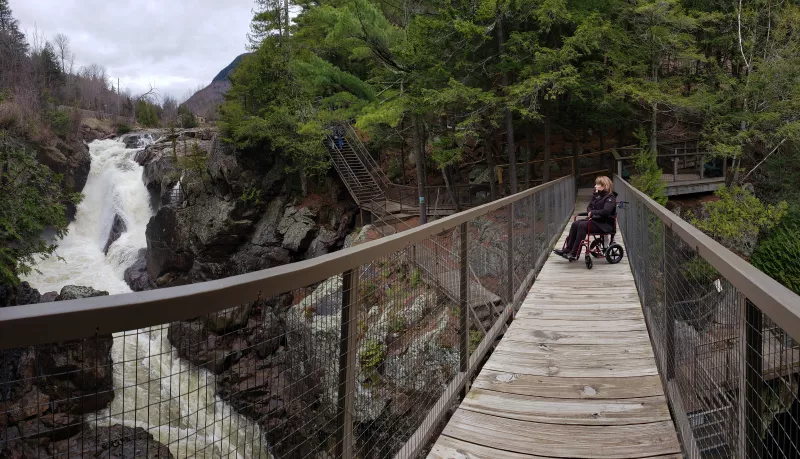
(194, 160)
(61, 122)
(123, 128)
(252, 196)
(146, 114)
(397, 323)
(373, 353)
(647, 176)
(186, 119)
(737, 219)
(416, 278)
(778, 254)
(32, 201)
(696, 270)
(475, 338)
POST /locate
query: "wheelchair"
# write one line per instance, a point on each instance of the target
(600, 244)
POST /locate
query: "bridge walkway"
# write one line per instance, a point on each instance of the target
(573, 377)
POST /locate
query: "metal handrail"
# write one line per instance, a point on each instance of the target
(776, 301)
(361, 150)
(88, 317)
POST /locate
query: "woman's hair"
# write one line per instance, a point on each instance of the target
(608, 185)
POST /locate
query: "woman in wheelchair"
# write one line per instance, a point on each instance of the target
(600, 212)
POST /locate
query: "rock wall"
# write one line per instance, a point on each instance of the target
(47, 390)
(231, 215)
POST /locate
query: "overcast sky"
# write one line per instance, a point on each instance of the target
(176, 45)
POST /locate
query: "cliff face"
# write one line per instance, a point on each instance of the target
(226, 214)
(71, 160)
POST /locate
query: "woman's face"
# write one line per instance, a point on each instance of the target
(598, 187)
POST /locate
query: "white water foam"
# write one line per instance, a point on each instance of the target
(154, 388)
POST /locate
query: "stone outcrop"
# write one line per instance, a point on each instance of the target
(117, 228)
(136, 275)
(71, 160)
(234, 216)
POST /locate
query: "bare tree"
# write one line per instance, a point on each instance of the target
(62, 49)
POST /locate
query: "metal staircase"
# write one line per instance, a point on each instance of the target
(361, 183)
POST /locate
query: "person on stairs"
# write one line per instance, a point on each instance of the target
(599, 211)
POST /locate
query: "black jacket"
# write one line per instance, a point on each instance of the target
(603, 207)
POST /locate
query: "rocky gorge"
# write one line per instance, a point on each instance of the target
(217, 213)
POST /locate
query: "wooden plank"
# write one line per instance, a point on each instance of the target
(557, 351)
(577, 326)
(575, 337)
(564, 441)
(569, 388)
(579, 314)
(568, 411)
(450, 448)
(586, 367)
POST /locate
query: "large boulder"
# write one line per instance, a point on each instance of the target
(19, 295)
(136, 275)
(117, 441)
(117, 228)
(74, 292)
(297, 228)
(167, 245)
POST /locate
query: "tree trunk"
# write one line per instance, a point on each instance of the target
(448, 182)
(512, 158)
(419, 154)
(529, 154)
(602, 133)
(654, 130)
(546, 165)
(575, 167)
(492, 167)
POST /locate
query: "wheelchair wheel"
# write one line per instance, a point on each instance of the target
(614, 254)
(594, 245)
(588, 260)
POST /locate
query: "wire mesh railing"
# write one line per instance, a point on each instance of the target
(725, 336)
(352, 354)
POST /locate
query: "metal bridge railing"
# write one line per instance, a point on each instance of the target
(725, 336)
(352, 354)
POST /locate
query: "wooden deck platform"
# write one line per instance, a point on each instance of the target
(573, 377)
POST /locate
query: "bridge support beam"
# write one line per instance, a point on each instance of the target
(463, 307)
(348, 347)
(752, 383)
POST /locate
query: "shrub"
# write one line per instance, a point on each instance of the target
(123, 129)
(737, 219)
(777, 254)
(60, 123)
(416, 278)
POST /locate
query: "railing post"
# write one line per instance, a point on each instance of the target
(510, 230)
(348, 346)
(753, 403)
(669, 300)
(725, 168)
(675, 169)
(619, 168)
(462, 304)
(702, 161)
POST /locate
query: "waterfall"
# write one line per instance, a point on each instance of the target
(154, 388)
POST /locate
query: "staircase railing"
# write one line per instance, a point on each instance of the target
(725, 336)
(369, 162)
(319, 357)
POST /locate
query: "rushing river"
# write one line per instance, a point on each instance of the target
(154, 388)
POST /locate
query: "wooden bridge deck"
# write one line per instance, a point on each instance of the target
(573, 377)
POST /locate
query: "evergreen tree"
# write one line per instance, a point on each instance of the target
(12, 41)
(51, 70)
